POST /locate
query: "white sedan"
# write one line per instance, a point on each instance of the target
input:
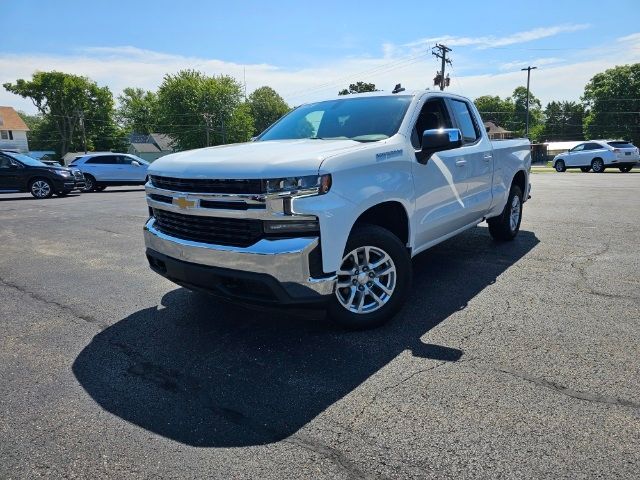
(597, 155)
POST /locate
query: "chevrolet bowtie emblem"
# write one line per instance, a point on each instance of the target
(182, 202)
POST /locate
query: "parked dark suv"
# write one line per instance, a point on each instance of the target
(21, 173)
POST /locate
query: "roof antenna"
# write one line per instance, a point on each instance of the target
(398, 88)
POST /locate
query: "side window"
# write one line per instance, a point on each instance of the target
(5, 162)
(466, 121)
(103, 160)
(593, 146)
(4, 134)
(124, 160)
(578, 148)
(432, 116)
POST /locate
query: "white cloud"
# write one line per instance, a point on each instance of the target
(493, 41)
(120, 67)
(538, 62)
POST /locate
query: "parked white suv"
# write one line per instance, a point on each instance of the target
(110, 169)
(597, 155)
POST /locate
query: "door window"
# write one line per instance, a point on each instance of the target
(103, 160)
(466, 121)
(577, 148)
(124, 160)
(593, 146)
(5, 162)
(432, 116)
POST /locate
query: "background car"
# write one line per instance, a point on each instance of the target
(110, 169)
(21, 173)
(597, 155)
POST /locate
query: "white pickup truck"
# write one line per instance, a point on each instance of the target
(328, 206)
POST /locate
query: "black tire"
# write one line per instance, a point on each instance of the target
(90, 184)
(625, 169)
(63, 193)
(560, 166)
(99, 188)
(41, 188)
(382, 240)
(585, 169)
(501, 227)
(597, 165)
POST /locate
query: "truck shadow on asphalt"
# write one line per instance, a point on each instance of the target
(208, 374)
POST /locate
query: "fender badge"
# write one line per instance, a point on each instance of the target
(182, 202)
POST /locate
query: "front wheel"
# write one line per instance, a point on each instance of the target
(89, 183)
(625, 169)
(41, 188)
(373, 280)
(507, 225)
(560, 166)
(597, 165)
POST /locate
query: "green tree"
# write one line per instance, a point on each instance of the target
(266, 106)
(497, 110)
(612, 100)
(563, 121)
(64, 100)
(137, 110)
(359, 87)
(193, 107)
(519, 98)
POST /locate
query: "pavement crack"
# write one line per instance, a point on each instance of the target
(66, 308)
(561, 389)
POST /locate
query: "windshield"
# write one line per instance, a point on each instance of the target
(26, 160)
(364, 119)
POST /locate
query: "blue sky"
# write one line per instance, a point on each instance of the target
(308, 50)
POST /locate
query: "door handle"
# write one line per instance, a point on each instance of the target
(461, 163)
(487, 157)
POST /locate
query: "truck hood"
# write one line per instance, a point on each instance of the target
(268, 159)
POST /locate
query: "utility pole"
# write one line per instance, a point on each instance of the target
(528, 69)
(84, 133)
(440, 51)
(208, 117)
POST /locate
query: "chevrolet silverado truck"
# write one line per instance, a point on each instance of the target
(329, 204)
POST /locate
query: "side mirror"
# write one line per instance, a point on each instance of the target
(13, 166)
(438, 140)
(135, 163)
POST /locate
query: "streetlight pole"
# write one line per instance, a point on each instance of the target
(528, 69)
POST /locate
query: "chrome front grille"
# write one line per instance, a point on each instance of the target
(202, 185)
(237, 232)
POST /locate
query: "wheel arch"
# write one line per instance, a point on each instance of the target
(520, 179)
(391, 215)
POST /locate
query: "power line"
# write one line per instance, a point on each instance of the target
(440, 51)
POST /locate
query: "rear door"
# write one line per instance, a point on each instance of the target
(476, 154)
(103, 168)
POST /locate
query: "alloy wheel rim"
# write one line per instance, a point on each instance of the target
(40, 188)
(88, 184)
(514, 217)
(366, 280)
(559, 166)
(597, 165)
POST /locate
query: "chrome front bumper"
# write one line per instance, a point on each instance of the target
(286, 260)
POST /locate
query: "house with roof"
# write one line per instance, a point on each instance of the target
(150, 147)
(496, 132)
(13, 131)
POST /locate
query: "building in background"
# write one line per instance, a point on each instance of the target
(13, 131)
(496, 132)
(150, 147)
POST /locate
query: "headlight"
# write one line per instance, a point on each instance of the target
(63, 173)
(308, 185)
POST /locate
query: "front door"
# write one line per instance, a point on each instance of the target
(574, 157)
(9, 174)
(440, 184)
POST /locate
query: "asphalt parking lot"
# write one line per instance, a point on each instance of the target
(515, 360)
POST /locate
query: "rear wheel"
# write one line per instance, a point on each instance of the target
(560, 166)
(507, 225)
(41, 188)
(89, 183)
(585, 169)
(373, 280)
(597, 165)
(625, 169)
